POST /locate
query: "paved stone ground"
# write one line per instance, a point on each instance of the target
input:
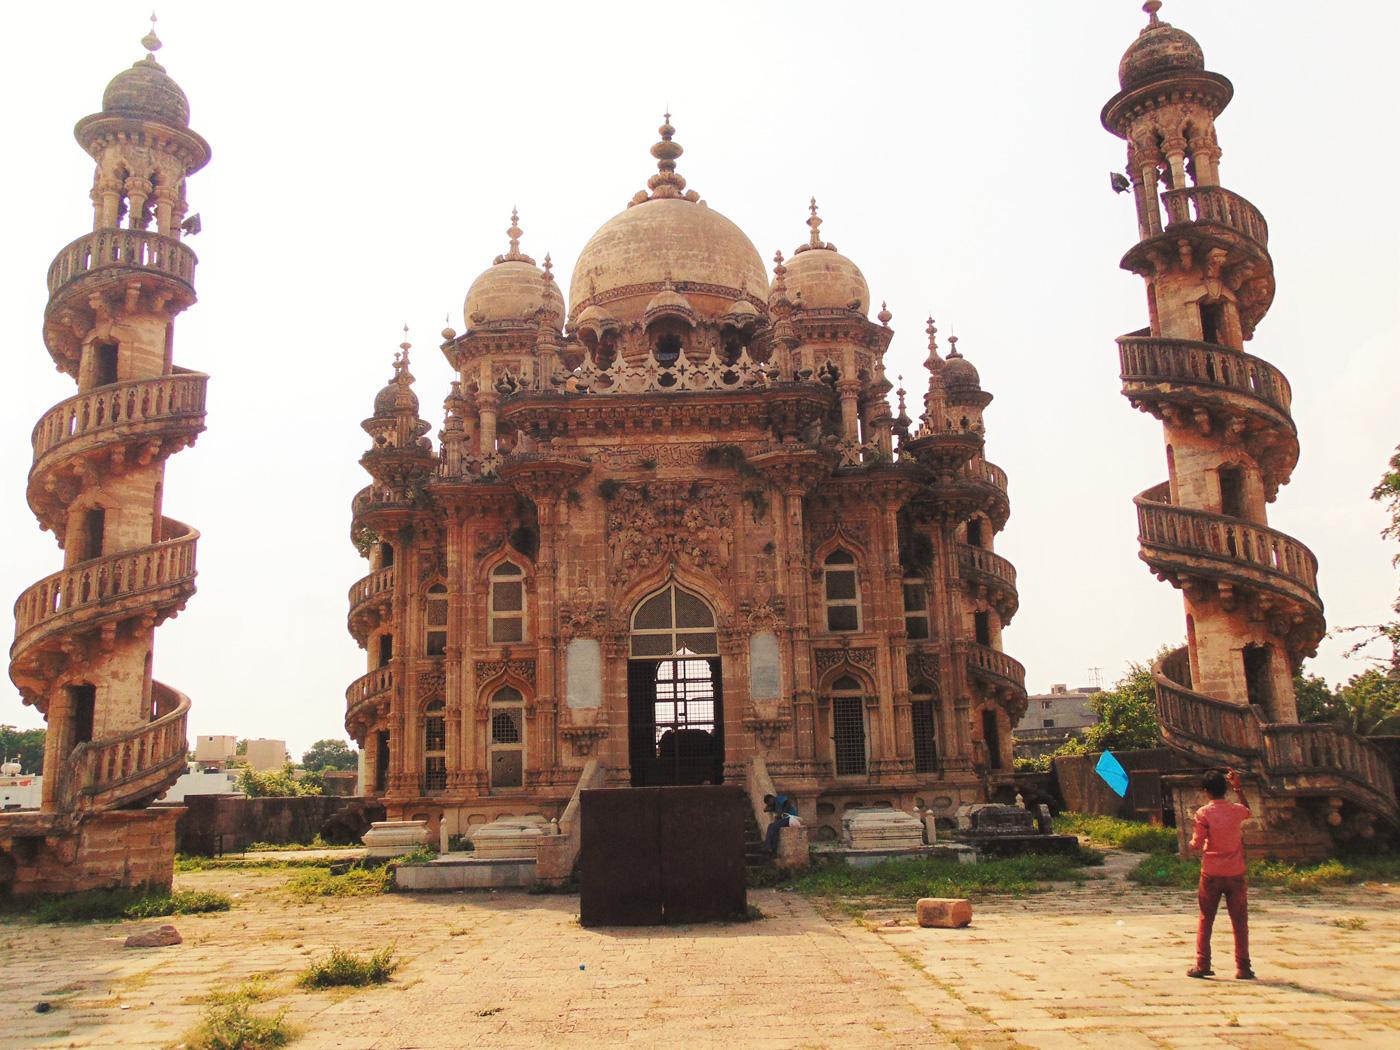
(1098, 964)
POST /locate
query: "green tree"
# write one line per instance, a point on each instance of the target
(1317, 702)
(1386, 493)
(25, 746)
(1127, 714)
(1369, 704)
(330, 754)
(274, 783)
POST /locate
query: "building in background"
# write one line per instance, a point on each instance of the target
(262, 755)
(1052, 718)
(84, 636)
(667, 528)
(215, 750)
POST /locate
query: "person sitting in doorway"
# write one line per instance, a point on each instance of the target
(784, 810)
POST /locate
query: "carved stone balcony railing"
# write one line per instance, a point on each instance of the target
(151, 581)
(651, 376)
(1293, 759)
(134, 422)
(1217, 206)
(126, 249)
(363, 694)
(369, 602)
(994, 666)
(1178, 540)
(992, 574)
(132, 768)
(988, 472)
(1203, 366)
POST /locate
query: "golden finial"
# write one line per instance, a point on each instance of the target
(1152, 7)
(884, 315)
(514, 232)
(150, 41)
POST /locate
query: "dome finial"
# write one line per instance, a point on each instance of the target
(150, 41)
(934, 358)
(1152, 7)
(814, 222)
(514, 254)
(953, 347)
(401, 359)
(884, 316)
(666, 182)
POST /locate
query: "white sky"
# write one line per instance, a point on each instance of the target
(366, 158)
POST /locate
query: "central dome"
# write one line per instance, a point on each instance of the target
(667, 236)
(704, 255)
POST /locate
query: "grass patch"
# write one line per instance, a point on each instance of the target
(1293, 877)
(905, 881)
(1353, 922)
(230, 1023)
(292, 847)
(1131, 835)
(93, 905)
(357, 882)
(187, 864)
(419, 855)
(342, 969)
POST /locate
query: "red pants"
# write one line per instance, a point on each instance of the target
(1236, 894)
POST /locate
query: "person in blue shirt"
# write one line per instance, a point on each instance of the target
(784, 810)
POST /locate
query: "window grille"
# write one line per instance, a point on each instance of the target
(848, 725)
(842, 592)
(916, 608)
(925, 737)
(435, 734)
(505, 727)
(507, 604)
(435, 773)
(673, 622)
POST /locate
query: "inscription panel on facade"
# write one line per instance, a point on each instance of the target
(583, 668)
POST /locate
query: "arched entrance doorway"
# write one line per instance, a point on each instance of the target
(674, 695)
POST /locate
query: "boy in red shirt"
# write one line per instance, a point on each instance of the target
(1217, 835)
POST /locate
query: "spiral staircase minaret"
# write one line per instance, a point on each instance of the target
(84, 636)
(1253, 612)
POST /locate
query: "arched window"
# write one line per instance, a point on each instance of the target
(925, 727)
(386, 648)
(673, 620)
(848, 726)
(507, 611)
(435, 621)
(668, 349)
(506, 742)
(842, 591)
(435, 747)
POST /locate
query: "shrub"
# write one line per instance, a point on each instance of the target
(1131, 835)
(346, 969)
(230, 1024)
(907, 880)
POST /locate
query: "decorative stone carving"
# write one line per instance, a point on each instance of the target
(486, 670)
(765, 729)
(652, 523)
(583, 738)
(826, 659)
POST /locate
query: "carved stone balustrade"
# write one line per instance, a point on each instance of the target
(1217, 206)
(132, 768)
(124, 251)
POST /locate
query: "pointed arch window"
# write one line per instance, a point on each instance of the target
(842, 591)
(848, 726)
(506, 742)
(671, 621)
(506, 615)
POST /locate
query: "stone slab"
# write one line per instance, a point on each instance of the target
(462, 871)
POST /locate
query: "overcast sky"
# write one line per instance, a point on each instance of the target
(366, 158)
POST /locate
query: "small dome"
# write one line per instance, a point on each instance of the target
(395, 397)
(146, 92)
(826, 279)
(958, 374)
(513, 288)
(741, 312)
(596, 320)
(670, 303)
(1159, 50)
(821, 278)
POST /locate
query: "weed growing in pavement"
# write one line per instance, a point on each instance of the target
(185, 863)
(343, 969)
(1353, 922)
(230, 1023)
(357, 882)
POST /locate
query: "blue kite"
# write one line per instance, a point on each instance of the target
(1113, 773)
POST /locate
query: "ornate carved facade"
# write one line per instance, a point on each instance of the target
(675, 523)
(84, 636)
(1252, 607)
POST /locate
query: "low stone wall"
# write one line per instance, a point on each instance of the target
(118, 849)
(229, 823)
(1084, 791)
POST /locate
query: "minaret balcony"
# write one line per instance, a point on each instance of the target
(364, 698)
(1239, 558)
(133, 423)
(1216, 206)
(152, 582)
(115, 254)
(1002, 676)
(990, 576)
(132, 768)
(370, 601)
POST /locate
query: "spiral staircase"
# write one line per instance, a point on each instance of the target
(84, 635)
(1251, 593)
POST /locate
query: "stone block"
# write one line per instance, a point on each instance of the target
(160, 937)
(882, 829)
(793, 849)
(554, 860)
(947, 913)
(392, 838)
(509, 838)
